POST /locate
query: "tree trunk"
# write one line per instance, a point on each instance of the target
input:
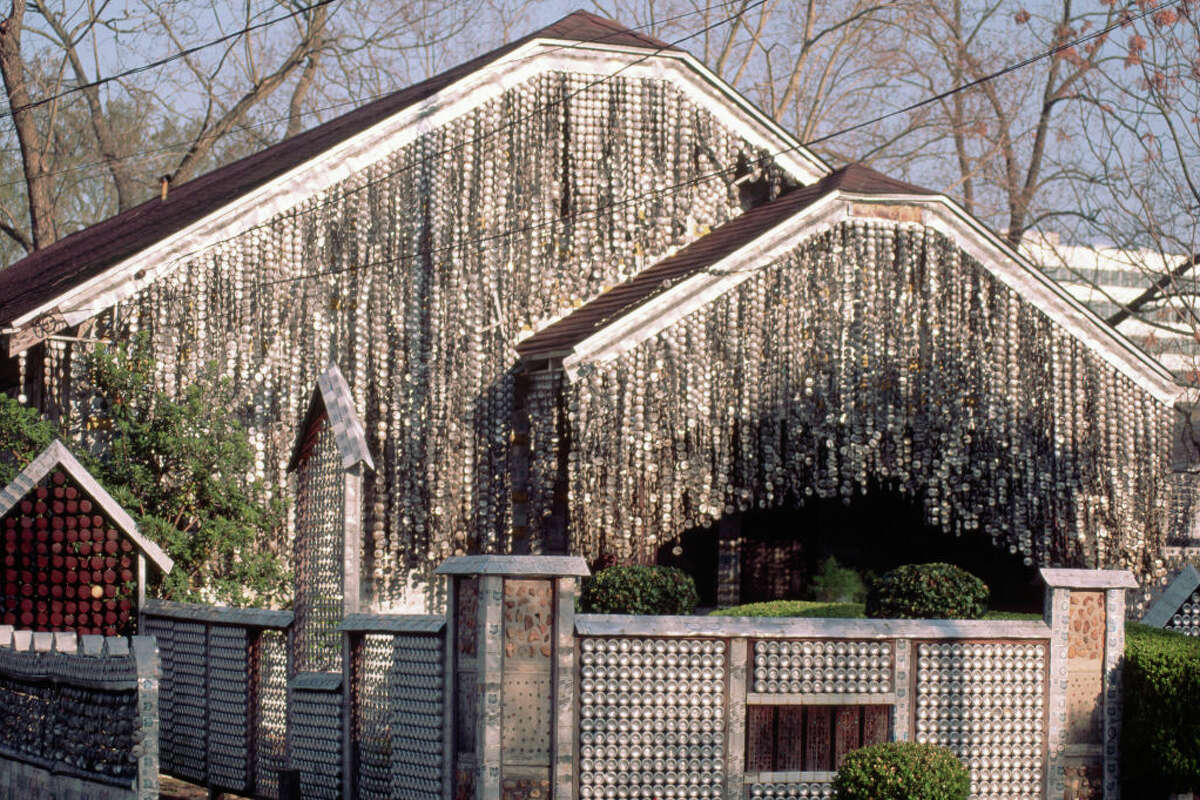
(37, 178)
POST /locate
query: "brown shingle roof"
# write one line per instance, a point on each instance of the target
(47, 273)
(562, 336)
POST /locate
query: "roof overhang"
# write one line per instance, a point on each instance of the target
(935, 211)
(131, 275)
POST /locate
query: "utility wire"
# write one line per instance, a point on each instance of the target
(991, 76)
(146, 155)
(165, 60)
(675, 188)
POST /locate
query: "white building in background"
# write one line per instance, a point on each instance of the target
(1108, 278)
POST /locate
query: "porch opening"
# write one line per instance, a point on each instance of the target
(779, 551)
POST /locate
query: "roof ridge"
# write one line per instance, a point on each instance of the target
(44, 273)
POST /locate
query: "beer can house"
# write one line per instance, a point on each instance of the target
(73, 558)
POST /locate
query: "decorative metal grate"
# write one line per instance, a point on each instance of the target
(822, 667)
(373, 673)
(652, 717)
(804, 790)
(320, 507)
(986, 702)
(270, 749)
(183, 701)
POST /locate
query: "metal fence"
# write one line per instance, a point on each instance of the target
(224, 694)
(80, 716)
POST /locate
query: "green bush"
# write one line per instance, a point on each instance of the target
(793, 608)
(639, 590)
(927, 591)
(902, 771)
(837, 584)
(1160, 729)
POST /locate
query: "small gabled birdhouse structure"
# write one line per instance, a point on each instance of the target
(1178, 607)
(330, 459)
(73, 558)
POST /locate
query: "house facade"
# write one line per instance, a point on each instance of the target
(587, 298)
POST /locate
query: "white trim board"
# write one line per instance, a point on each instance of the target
(360, 151)
(939, 213)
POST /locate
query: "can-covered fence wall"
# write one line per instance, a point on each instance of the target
(396, 736)
(80, 716)
(730, 708)
(224, 694)
(718, 707)
(512, 696)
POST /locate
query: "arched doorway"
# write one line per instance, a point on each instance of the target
(780, 550)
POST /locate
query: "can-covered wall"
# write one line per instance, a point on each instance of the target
(510, 695)
(81, 715)
(396, 726)
(224, 694)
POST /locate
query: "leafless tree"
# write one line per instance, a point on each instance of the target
(814, 65)
(91, 146)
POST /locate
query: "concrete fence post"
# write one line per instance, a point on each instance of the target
(1086, 613)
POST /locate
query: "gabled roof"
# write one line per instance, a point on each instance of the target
(626, 315)
(562, 336)
(56, 455)
(331, 398)
(194, 213)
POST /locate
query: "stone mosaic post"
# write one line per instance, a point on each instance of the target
(511, 624)
(1086, 613)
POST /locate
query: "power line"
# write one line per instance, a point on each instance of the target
(992, 76)
(148, 154)
(562, 220)
(165, 60)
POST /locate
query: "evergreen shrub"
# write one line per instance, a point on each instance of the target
(837, 584)
(902, 771)
(639, 590)
(1160, 729)
(927, 591)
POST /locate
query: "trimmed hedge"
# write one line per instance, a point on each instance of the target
(902, 771)
(927, 591)
(639, 590)
(1160, 729)
(793, 608)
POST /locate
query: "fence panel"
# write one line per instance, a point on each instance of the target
(224, 694)
(718, 707)
(81, 716)
(398, 705)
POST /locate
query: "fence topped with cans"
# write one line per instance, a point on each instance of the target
(81, 714)
(512, 696)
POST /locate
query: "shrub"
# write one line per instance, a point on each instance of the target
(902, 771)
(640, 590)
(837, 584)
(179, 465)
(1160, 730)
(927, 591)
